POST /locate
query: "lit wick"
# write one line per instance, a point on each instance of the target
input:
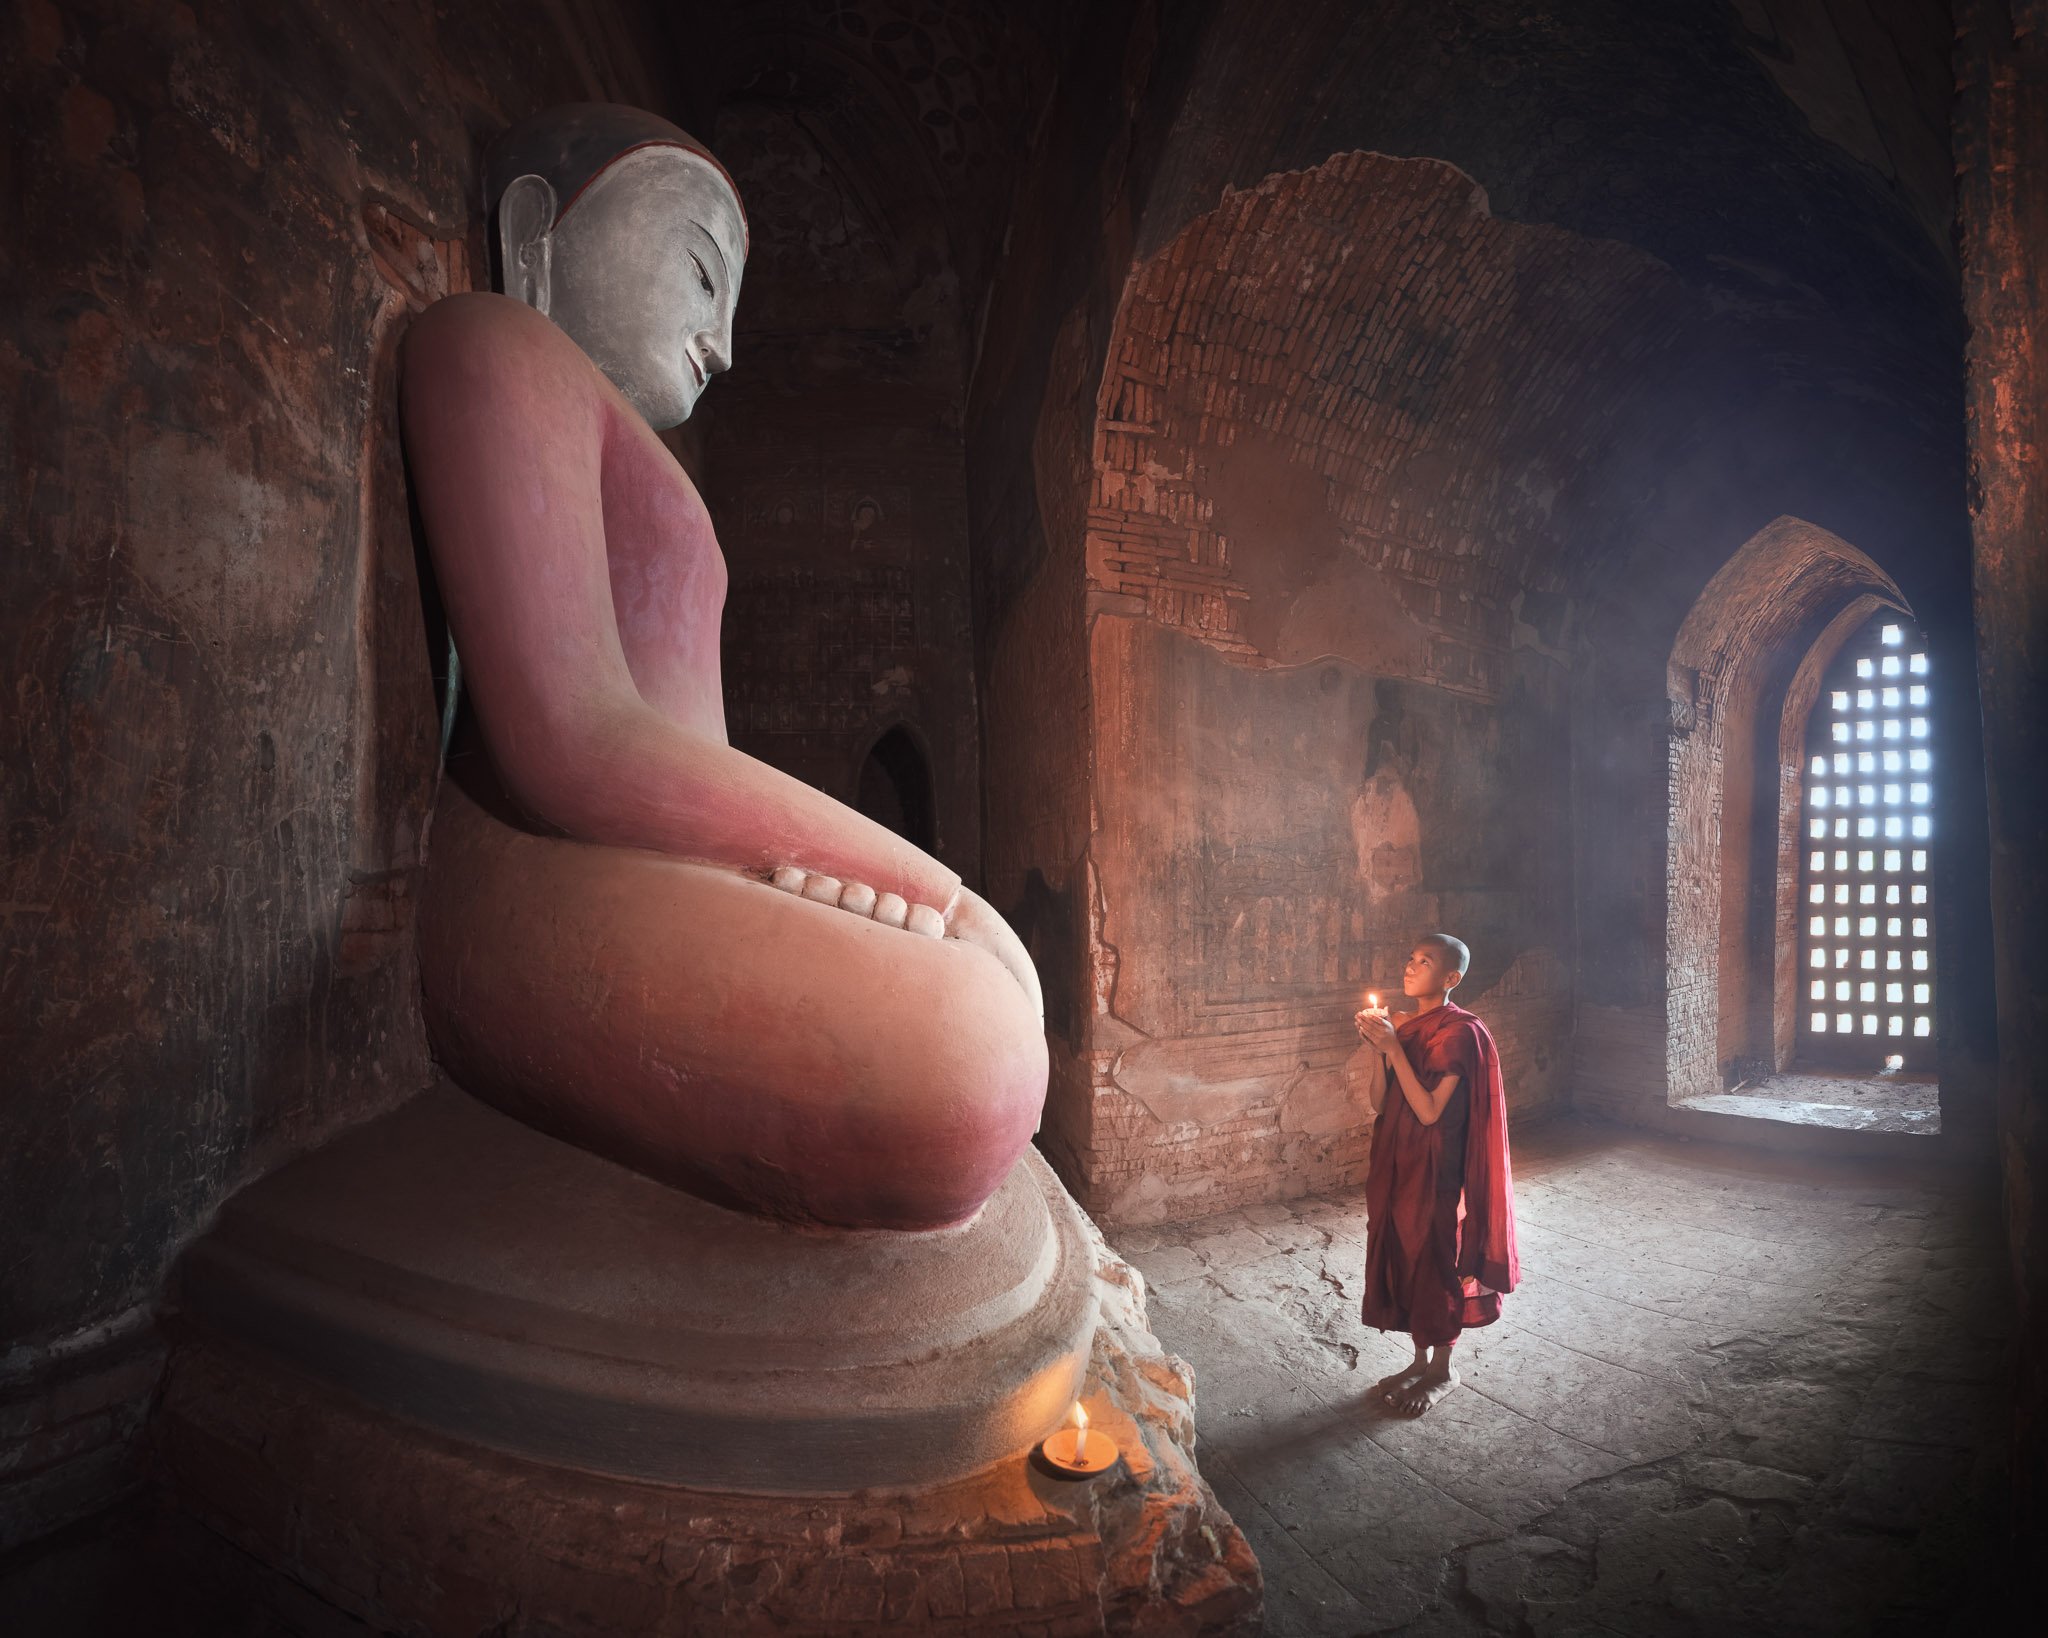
(1080, 1435)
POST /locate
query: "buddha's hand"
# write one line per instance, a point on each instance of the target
(970, 920)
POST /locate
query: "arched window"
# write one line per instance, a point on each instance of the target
(1867, 950)
(896, 788)
(1789, 874)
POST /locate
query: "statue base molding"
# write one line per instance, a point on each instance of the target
(458, 1377)
(465, 1272)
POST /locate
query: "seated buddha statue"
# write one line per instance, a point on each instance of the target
(632, 935)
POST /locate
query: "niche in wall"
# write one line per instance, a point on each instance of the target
(895, 787)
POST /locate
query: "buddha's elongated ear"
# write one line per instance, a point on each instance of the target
(526, 240)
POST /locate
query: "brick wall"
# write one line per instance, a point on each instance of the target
(835, 470)
(1325, 572)
(2002, 159)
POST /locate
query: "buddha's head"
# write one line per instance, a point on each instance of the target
(630, 236)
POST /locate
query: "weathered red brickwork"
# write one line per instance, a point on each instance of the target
(1326, 656)
(2002, 156)
(1419, 380)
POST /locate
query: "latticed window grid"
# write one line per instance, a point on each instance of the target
(1867, 954)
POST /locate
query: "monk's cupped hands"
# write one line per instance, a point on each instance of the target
(1376, 1030)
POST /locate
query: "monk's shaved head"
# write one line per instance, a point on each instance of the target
(1454, 949)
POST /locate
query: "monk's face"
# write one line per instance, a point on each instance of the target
(1429, 971)
(646, 272)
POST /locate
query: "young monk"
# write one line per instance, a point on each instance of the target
(1440, 1211)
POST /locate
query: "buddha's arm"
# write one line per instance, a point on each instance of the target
(505, 435)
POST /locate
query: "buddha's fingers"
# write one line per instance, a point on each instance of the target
(859, 899)
(972, 920)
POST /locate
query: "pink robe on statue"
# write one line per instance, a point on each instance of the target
(1439, 1200)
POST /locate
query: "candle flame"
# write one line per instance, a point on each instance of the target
(1080, 1456)
(1372, 998)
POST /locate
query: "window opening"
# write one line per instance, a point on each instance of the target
(1867, 952)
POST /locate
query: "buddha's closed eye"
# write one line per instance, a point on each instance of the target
(703, 277)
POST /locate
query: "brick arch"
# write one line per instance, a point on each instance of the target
(1744, 672)
(1349, 411)
(1327, 496)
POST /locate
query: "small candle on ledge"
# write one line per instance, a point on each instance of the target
(1079, 1451)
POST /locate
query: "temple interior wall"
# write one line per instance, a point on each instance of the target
(835, 463)
(219, 740)
(1555, 353)
(1328, 661)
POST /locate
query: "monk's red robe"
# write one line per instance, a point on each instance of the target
(1439, 1201)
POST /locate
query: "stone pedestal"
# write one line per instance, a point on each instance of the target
(461, 1378)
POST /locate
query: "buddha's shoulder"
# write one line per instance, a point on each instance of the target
(482, 328)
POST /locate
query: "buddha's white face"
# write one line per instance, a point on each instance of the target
(645, 273)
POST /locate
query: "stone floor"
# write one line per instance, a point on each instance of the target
(1736, 1393)
(1860, 1103)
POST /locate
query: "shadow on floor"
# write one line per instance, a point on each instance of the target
(144, 1570)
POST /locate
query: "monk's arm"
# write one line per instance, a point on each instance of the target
(1427, 1102)
(505, 435)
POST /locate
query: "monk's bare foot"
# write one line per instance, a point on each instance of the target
(1402, 1380)
(1424, 1391)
